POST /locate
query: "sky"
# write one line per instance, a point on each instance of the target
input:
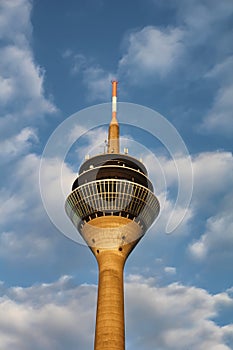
(58, 58)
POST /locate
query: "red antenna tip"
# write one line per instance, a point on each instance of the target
(114, 87)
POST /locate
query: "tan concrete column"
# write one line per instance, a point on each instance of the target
(110, 333)
(113, 137)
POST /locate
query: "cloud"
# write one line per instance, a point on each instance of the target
(17, 144)
(222, 70)
(22, 101)
(97, 81)
(164, 174)
(24, 223)
(205, 234)
(170, 270)
(22, 95)
(7, 89)
(216, 242)
(219, 118)
(151, 51)
(178, 55)
(79, 62)
(29, 246)
(208, 180)
(94, 143)
(49, 315)
(21, 237)
(25, 237)
(15, 21)
(212, 197)
(61, 314)
(22, 79)
(207, 27)
(204, 22)
(174, 317)
(11, 203)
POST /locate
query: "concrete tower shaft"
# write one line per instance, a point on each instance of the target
(112, 204)
(110, 328)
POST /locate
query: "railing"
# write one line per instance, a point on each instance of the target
(112, 197)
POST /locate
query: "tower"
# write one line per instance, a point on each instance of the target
(112, 204)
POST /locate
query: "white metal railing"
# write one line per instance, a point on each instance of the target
(112, 196)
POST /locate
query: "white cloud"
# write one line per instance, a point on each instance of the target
(198, 249)
(24, 224)
(220, 117)
(204, 19)
(17, 144)
(151, 51)
(22, 79)
(97, 81)
(174, 317)
(7, 90)
(11, 204)
(167, 208)
(76, 132)
(163, 172)
(155, 52)
(208, 221)
(22, 95)
(28, 245)
(94, 77)
(212, 197)
(209, 170)
(28, 239)
(207, 24)
(222, 70)
(53, 315)
(15, 20)
(212, 177)
(79, 62)
(61, 314)
(216, 242)
(95, 143)
(170, 270)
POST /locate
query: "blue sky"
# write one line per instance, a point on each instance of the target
(175, 57)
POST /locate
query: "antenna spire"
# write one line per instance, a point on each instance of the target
(113, 131)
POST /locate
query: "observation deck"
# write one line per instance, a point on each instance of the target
(112, 184)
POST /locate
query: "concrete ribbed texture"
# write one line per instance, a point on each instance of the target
(110, 333)
(113, 137)
(111, 252)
